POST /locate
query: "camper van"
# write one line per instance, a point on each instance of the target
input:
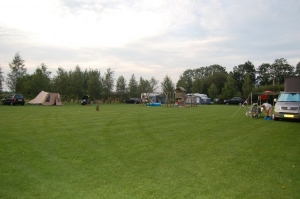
(288, 103)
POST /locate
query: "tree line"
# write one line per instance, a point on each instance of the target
(213, 80)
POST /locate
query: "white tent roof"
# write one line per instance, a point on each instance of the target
(39, 99)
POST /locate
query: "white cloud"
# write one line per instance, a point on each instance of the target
(57, 25)
(148, 37)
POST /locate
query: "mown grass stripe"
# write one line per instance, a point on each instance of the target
(132, 151)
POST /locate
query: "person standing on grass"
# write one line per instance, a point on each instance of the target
(267, 108)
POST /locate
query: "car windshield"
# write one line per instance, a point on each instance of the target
(289, 97)
(19, 96)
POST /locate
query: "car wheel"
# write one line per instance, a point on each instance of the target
(22, 104)
(276, 119)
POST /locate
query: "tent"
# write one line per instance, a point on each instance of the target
(157, 97)
(200, 98)
(267, 96)
(46, 98)
(264, 95)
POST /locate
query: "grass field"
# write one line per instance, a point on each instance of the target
(138, 152)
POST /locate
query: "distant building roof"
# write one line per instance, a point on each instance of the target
(179, 89)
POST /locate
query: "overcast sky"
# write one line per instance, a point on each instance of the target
(148, 38)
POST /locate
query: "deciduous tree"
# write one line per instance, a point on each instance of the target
(108, 83)
(167, 85)
(281, 69)
(61, 82)
(24, 85)
(76, 83)
(240, 71)
(297, 71)
(18, 70)
(264, 77)
(218, 78)
(186, 80)
(1, 80)
(247, 86)
(94, 84)
(144, 86)
(213, 91)
(121, 88)
(229, 89)
(40, 80)
(197, 85)
(133, 87)
(153, 85)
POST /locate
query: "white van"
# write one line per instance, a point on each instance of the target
(288, 103)
(287, 106)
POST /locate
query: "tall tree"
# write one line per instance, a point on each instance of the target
(144, 86)
(281, 69)
(197, 85)
(297, 71)
(24, 86)
(108, 83)
(76, 83)
(153, 85)
(247, 86)
(210, 70)
(229, 89)
(167, 85)
(216, 68)
(264, 77)
(121, 88)
(186, 80)
(218, 78)
(1, 80)
(85, 81)
(61, 82)
(94, 84)
(213, 91)
(200, 72)
(240, 71)
(133, 87)
(18, 70)
(40, 80)
(207, 71)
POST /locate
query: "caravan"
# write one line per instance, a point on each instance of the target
(200, 98)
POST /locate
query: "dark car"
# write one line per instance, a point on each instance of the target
(85, 100)
(14, 99)
(133, 101)
(234, 100)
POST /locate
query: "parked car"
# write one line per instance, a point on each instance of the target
(13, 99)
(234, 100)
(133, 101)
(85, 100)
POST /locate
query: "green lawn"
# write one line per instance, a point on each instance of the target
(134, 151)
